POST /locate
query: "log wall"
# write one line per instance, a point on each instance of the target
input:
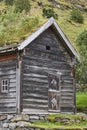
(46, 55)
(8, 71)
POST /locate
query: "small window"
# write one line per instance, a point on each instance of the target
(53, 82)
(4, 85)
(47, 47)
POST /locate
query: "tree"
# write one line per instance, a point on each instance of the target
(82, 67)
(21, 5)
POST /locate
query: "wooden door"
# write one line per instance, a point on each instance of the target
(54, 93)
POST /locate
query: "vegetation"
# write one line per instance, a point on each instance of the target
(28, 15)
(21, 5)
(82, 67)
(9, 2)
(77, 16)
(81, 101)
(49, 12)
(63, 121)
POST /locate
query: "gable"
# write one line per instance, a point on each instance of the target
(51, 23)
(48, 46)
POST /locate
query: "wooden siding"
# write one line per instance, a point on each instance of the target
(7, 57)
(8, 71)
(38, 63)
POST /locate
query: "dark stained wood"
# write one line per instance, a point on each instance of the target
(7, 57)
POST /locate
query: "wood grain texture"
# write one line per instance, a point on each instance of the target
(8, 100)
(37, 64)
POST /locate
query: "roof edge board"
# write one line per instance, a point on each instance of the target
(74, 52)
(36, 34)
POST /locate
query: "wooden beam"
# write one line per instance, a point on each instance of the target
(18, 84)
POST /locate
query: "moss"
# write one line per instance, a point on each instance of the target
(63, 121)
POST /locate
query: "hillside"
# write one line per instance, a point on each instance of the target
(15, 26)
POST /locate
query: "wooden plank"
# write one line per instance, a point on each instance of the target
(8, 101)
(35, 75)
(5, 101)
(6, 110)
(35, 79)
(11, 76)
(18, 83)
(67, 105)
(67, 98)
(34, 111)
(34, 96)
(7, 73)
(35, 84)
(55, 64)
(37, 101)
(43, 107)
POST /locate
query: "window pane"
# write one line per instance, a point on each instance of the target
(4, 87)
(3, 82)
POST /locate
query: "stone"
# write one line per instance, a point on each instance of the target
(57, 119)
(74, 1)
(20, 118)
(73, 121)
(9, 117)
(42, 117)
(58, 6)
(65, 121)
(23, 124)
(3, 117)
(34, 117)
(5, 125)
(12, 125)
(80, 7)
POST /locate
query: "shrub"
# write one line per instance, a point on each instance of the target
(9, 2)
(49, 12)
(77, 16)
(82, 38)
(82, 67)
(21, 5)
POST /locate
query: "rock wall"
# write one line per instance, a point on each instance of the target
(27, 122)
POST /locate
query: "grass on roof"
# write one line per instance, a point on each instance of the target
(15, 27)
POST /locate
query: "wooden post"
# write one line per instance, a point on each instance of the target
(74, 83)
(18, 83)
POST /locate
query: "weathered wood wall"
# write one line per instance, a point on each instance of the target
(38, 63)
(8, 71)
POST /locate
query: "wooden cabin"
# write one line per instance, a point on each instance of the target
(37, 75)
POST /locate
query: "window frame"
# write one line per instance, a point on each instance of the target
(4, 85)
(56, 79)
(54, 93)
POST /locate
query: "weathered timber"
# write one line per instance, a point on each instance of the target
(8, 100)
(38, 63)
(38, 75)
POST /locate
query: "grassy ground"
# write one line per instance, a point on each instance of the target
(81, 101)
(75, 122)
(52, 121)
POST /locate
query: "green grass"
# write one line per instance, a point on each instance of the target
(52, 124)
(10, 33)
(81, 100)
